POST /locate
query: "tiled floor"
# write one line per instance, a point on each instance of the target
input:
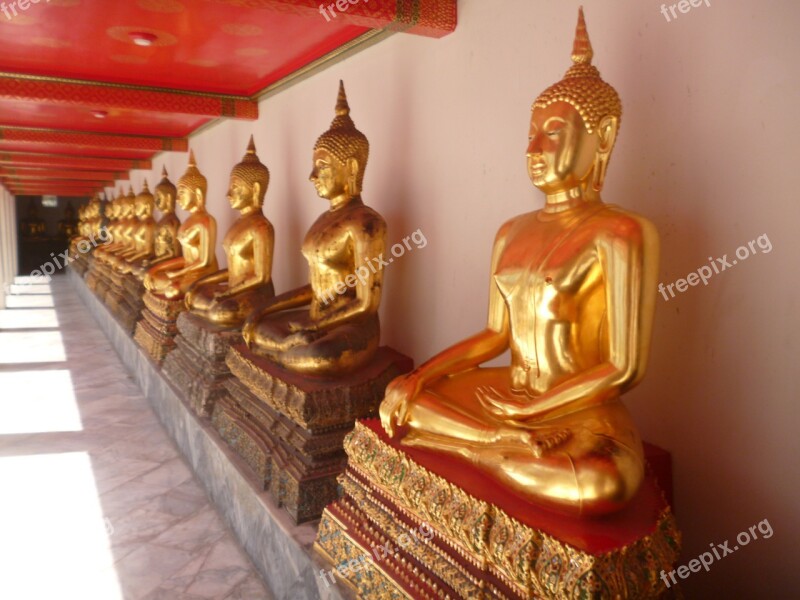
(95, 500)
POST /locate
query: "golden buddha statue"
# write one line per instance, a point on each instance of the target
(68, 226)
(229, 295)
(572, 296)
(33, 226)
(122, 228)
(112, 217)
(165, 238)
(331, 325)
(197, 236)
(143, 232)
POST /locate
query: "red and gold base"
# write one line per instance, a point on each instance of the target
(197, 365)
(289, 427)
(484, 542)
(156, 330)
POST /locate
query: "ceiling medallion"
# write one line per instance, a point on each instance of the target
(242, 29)
(130, 35)
(49, 42)
(161, 6)
(202, 62)
(128, 59)
(251, 52)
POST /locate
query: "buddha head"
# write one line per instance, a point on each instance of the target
(144, 203)
(192, 187)
(127, 206)
(110, 209)
(165, 193)
(340, 155)
(249, 181)
(574, 125)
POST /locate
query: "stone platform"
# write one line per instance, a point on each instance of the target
(280, 550)
(156, 330)
(197, 365)
(433, 528)
(289, 428)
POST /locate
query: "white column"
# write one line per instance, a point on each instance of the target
(8, 242)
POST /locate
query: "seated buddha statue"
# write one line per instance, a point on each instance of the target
(571, 295)
(197, 236)
(229, 295)
(165, 237)
(330, 326)
(108, 216)
(33, 226)
(143, 232)
(68, 226)
(122, 232)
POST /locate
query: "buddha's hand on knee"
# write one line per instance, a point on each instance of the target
(394, 409)
(249, 330)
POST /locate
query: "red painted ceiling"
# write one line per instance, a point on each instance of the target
(201, 46)
(207, 59)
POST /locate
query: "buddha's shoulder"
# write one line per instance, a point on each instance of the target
(617, 222)
(516, 222)
(363, 215)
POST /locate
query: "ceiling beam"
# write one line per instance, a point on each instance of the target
(44, 174)
(431, 18)
(108, 96)
(65, 161)
(93, 140)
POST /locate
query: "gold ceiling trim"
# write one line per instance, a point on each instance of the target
(123, 86)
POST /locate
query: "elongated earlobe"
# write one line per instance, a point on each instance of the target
(607, 130)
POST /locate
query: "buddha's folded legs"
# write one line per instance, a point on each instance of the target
(335, 350)
(588, 462)
(232, 310)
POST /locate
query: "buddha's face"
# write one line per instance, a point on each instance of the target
(143, 209)
(186, 197)
(329, 175)
(163, 200)
(240, 193)
(561, 151)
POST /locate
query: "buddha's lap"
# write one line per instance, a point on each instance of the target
(460, 392)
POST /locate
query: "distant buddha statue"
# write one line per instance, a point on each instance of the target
(143, 232)
(331, 325)
(165, 239)
(229, 295)
(122, 229)
(572, 295)
(33, 226)
(68, 226)
(197, 235)
(109, 212)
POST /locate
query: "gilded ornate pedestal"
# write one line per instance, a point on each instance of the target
(156, 330)
(486, 542)
(289, 427)
(197, 365)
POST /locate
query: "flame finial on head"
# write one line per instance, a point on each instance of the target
(582, 86)
(193, 178)
(582, 52)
